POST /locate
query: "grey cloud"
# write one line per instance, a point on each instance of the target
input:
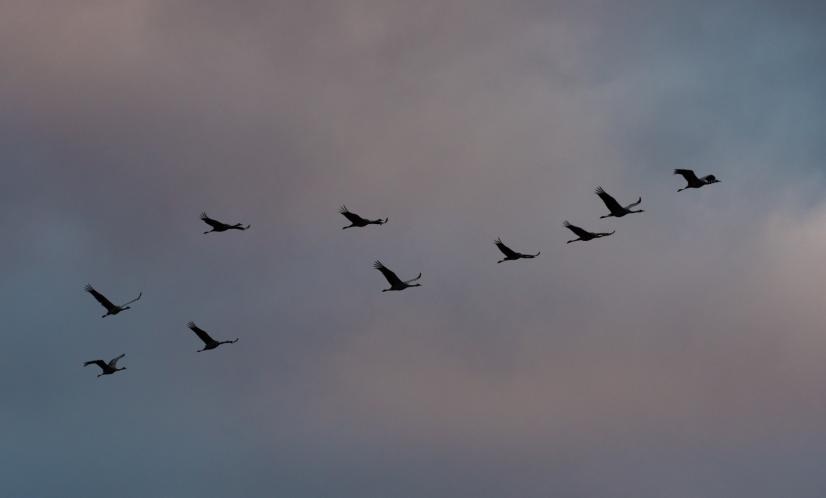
(680, 357)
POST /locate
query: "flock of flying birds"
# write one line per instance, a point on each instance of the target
(615, 209)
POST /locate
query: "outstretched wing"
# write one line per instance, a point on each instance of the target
(213, 223)
(634, 203)
(132, 301)
(201, 333)
(100, 298)
(353, 217)
(579, 232)
(688, 174)
(102, 364)
(609, 201)
(114, 362)
(413, 279)
(507, 251)
(388, 274)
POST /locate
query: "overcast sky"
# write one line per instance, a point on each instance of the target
(683, 357)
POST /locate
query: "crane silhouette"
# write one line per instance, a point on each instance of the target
(107, 368)
(584, 235)
(510, 254)
(111, 309)
(692, 181)
(218, 226)
(209, 342)
(396, 284)
(357, 221)
(614, 207)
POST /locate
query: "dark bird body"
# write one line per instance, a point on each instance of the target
(510, 254)
(584, 235)
(396, 284)
(107, 368)
(111, 309)
(616, 210)
(209, 342)
(218, 226)
(357, 221)
(692, 181)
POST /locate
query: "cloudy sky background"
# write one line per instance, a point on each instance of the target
(684, 357)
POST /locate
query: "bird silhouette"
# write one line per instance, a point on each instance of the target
(358, 221)
(614, 207)
(510, 254)
(111, 309)
(107, 368)
(396, 284)
(584, 235)
(692, 180)
(209, 342)
(218, 226)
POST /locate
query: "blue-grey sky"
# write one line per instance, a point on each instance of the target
(685, 356)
